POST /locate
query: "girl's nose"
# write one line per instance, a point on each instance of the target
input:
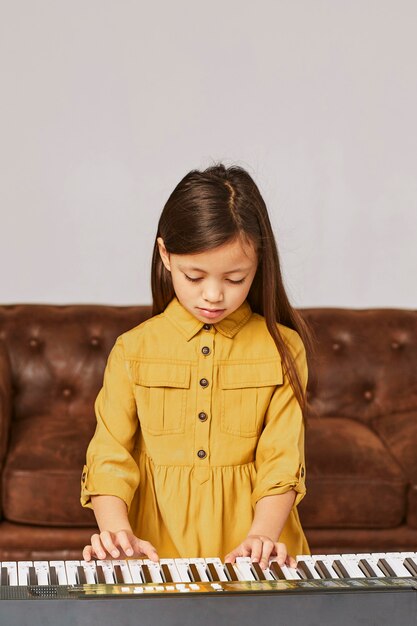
(213, 294)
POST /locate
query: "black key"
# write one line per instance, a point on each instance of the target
(193, 573)
(4, 577)
(118, 574)
(53, 576)
(257, 571)
(367, 569)
(212, 573)
(277, 572)
(101, 579)
(340, 569)
(230, 572)
(82, 580)
(166, 574)
(304, 570)
(32, 576)
(385, 567)
(322, 570)
(411, 565)
(146, 574)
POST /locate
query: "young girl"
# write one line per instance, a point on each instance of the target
(199, 445)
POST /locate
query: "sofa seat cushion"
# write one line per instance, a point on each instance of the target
(41, 480)
(352, 479)
(398, 431)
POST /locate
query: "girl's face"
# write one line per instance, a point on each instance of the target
(213, 284)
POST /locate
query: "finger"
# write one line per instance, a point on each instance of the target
(231, 557)
(281, 549)
(291, 562)
(256, 550)
(267, 548)
(88, 553)
(107, 541)
(124, 542)
(148, 550)
(98, 547)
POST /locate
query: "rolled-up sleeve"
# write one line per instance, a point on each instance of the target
(280, 459)
(110, 468)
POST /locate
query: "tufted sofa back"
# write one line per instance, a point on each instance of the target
(361, 424)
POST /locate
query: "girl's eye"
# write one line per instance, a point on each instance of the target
(193, 280)
(236, 282)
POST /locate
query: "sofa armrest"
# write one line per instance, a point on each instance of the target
(5, 400)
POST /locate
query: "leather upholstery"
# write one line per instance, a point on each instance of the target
(361, 430)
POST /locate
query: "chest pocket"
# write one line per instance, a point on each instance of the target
(246, 390)
(161, 395)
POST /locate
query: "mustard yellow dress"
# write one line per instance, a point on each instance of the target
(195, 423)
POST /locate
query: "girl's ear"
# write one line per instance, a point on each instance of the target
(163, 253)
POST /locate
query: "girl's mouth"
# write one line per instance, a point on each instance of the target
(211, 313)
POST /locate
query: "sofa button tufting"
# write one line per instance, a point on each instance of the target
(34, 342)
(94, 341)
(336, 346)
(368, 395)
(395, 345)
(67, 393)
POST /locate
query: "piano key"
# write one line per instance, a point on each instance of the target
(166, 573)
(193, 573)
(277, 572)
(82, 580)
(42, 572)
(350, 562)
(101, 579)
(244, 569)
(60, 571)
(290, 573)
(117, 573)
(53, 576)
(218, 566)
(172, 567)
(386, 568)
(321, 568)
(182, 567)
(146, 575)
(201, 566)
(107, 566)
(305, 565)
(411, 565)
(367, 568)
(90, 572)
(4, 577)
(71, 570)
(154, 570)
(230, 572)
(212, 573)
(135, 568)
(340, 569)
(257, 571)
(23, 572)
(12, 570)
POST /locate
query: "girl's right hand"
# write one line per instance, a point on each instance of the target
(119, 544)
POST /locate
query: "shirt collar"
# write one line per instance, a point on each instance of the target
(189, 325)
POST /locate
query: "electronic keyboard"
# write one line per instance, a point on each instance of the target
(369, 588)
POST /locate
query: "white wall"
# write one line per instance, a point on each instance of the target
(106, 104)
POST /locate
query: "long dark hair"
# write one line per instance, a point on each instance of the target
(210, 208)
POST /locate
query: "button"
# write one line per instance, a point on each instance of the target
(336, 346)
(94, 341)
(395, 345)
(201, 454)
(33, 342)
(202, 416)
(84, 476)
(207, 326)
(205, 350)
(302, 472)
(66, 392)
(204, 382)
(368, 395)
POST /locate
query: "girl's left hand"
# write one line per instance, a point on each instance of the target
(260, 549)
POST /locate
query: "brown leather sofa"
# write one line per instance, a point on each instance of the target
(361, 427)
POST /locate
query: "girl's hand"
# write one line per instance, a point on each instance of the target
(260, 549)
(119, 544)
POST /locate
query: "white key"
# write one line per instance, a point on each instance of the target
(89, 568)
(182, 567)
(12, 571)
(107, 567)
(71, 570)
(42, 572)
(60, 571)
(290, 573)
(350, 561)
(243, 567)
(219, 567)
(135, 566)
(173, 570)
(23, 572)
(154, 571)
(127, 578)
